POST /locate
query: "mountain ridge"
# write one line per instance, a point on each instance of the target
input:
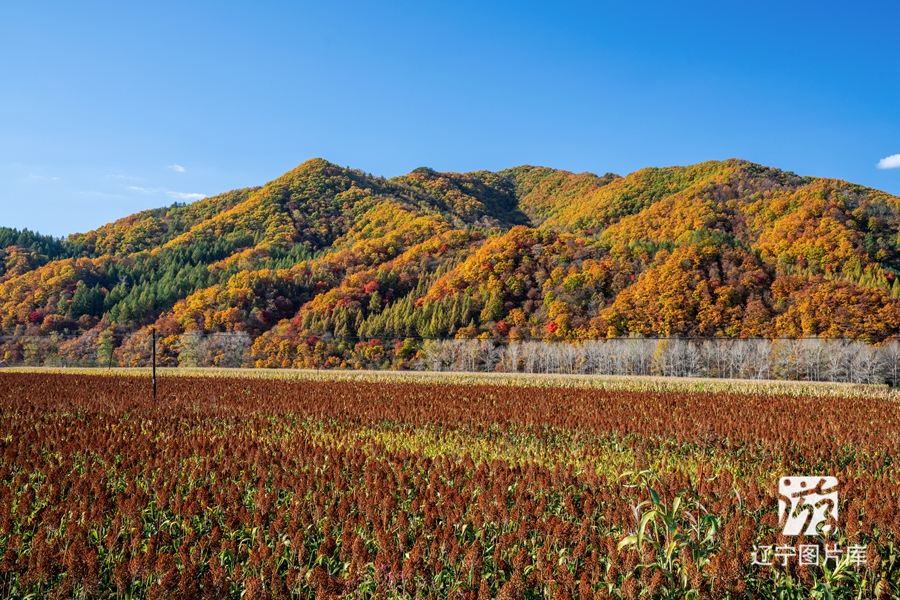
(720, 248)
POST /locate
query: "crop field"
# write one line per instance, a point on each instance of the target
(227, 487)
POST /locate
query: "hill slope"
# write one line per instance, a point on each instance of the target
(325, 253)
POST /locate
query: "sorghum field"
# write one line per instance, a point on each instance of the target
(228, 487)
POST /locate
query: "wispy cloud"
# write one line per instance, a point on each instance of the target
(186, 196)
(891, 162)
(177, 168)
(42, 178)
(179, 195)
(101, 194)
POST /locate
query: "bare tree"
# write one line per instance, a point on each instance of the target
(759, 365)
(815, 351)
(641, 351)
(567, 358)
(890, 353)
(488, 355)
(837, 361)
(532, 357)
(865, 363)
(438, 355)
(512, 354)
(592, 355)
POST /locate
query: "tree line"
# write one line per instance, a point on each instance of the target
(804, 359)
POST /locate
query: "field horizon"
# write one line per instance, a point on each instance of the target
(653, 383)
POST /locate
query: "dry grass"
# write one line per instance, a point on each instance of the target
(602, 382)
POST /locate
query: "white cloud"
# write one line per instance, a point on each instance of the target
(101, 194)
(177, 168)
(186, 196)
(891, 162)
(180, 195)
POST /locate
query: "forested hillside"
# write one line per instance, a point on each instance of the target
(332, 266)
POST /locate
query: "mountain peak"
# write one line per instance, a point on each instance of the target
(727, 248)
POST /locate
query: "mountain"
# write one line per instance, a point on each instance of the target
(324, 259)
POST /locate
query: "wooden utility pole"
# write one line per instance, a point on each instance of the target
(153, 329)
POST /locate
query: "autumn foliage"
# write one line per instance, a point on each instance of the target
(718, 249)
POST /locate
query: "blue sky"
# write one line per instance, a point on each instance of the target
(110, 108)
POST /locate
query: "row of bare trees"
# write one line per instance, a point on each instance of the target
(810, 359)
